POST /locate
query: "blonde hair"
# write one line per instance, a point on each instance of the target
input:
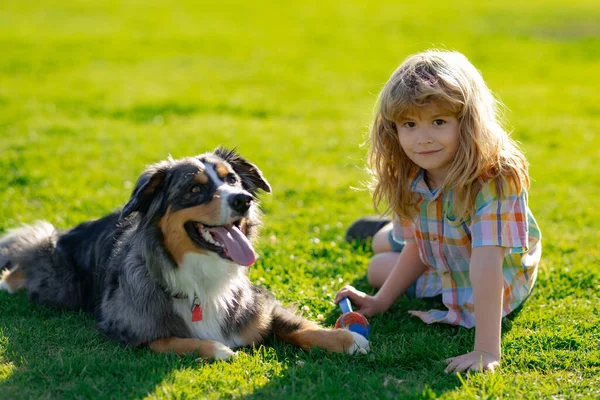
(486, 151)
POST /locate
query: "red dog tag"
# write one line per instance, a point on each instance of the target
(196, 313)
(196, 310)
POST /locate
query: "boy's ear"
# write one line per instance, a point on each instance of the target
(145, 189)
(252, 177)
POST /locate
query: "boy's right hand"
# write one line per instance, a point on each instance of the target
(367, 305)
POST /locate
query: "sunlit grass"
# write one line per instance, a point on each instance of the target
(92, 92)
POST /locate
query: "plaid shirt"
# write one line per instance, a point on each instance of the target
(445, 244)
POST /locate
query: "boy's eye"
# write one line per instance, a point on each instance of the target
(408, 124)
(439, 122)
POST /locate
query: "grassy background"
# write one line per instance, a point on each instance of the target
(90, 92)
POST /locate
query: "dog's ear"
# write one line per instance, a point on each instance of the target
(145, 189)
(252, 177)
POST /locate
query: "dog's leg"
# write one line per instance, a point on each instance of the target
(12, 279)
(300, 332)
(204, 348)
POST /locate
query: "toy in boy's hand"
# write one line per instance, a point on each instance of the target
(351, 320)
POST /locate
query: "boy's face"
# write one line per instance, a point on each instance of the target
(430, 137)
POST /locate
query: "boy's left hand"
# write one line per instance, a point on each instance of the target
(474, 361)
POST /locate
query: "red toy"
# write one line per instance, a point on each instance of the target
(351, 320)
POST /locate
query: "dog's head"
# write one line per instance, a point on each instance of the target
(201, 204)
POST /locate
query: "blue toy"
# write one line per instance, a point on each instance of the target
(351, 320)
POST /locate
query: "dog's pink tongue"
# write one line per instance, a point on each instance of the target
(237, 244)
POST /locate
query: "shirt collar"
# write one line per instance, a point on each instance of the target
(418, 185)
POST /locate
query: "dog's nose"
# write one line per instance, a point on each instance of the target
(240, 202)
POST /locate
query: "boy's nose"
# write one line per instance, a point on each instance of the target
(424, 137)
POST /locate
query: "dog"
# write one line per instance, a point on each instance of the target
(169, 270)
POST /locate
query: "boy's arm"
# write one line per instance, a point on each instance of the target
(485, 271)
(407, 269)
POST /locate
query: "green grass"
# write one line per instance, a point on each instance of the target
(90, 92)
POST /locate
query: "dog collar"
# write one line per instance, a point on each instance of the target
(196, 308)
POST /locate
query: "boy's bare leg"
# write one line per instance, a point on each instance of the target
(380, 267)
(384, 259)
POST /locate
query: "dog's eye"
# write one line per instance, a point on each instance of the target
(196, 189)
(231, 179)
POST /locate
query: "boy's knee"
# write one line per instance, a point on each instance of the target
(377, 271)
(381, 240)
(373, 275)
(380, 267)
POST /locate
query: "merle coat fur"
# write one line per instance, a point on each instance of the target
(183, 239)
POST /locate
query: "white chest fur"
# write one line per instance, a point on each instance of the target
(213, 281)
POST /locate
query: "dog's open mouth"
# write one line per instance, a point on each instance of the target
(227, 241)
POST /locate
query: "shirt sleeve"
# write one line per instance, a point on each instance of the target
(500, 219)
(402, 230)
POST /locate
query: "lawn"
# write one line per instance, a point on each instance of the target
(91, 92)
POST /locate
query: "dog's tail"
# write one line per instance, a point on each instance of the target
(20, 240)
(22, 245)
(50, 275)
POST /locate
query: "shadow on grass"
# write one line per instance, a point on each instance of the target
(51, 353)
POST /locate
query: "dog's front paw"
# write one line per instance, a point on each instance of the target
(223, 352)
(6, 287)
(360, 346)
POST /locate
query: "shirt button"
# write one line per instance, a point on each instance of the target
(434, 240)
